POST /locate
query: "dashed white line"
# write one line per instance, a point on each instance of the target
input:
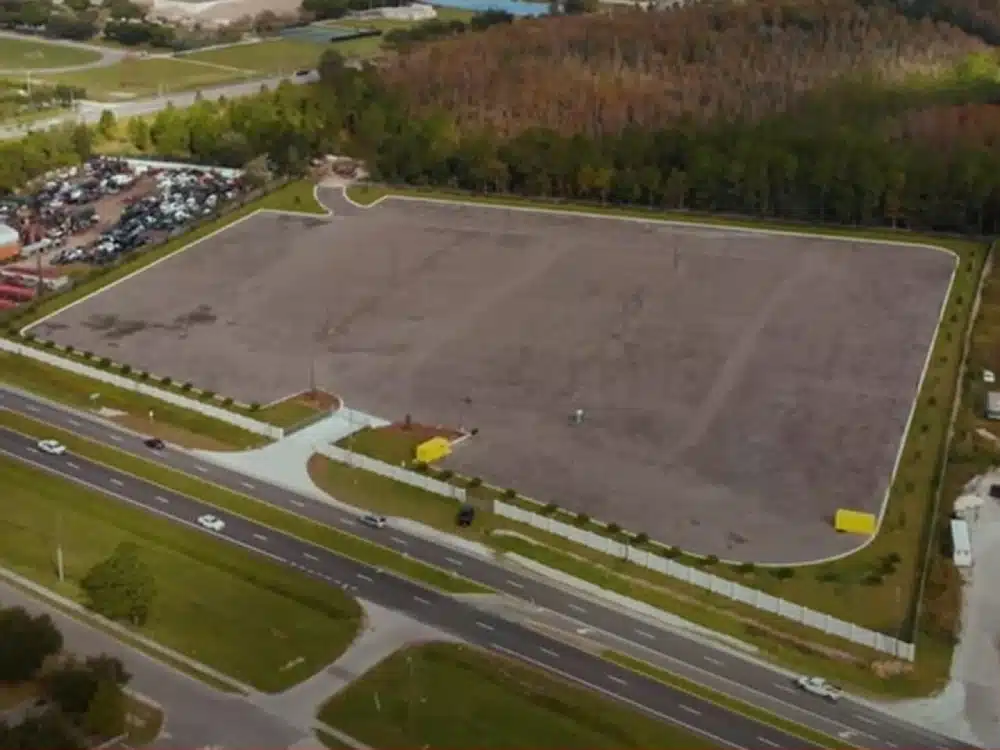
(114, 437)
(297, 503)
(344, 519)
(515, 584)
(619, 680)
(261, 537)
(31, 407)
(577, 608)
(247, 485)
(307, 556)
(786, 688)
(72, 465)
(453, 561)
(162, 499)
(768, 742)
(693, 711)
(202, 469)
(116, 482)
(421, 600)
(397, 540)
(712, 660)
(74, 422)
(549, 651)
(484, 625)
(644, 634)
(866, 720)
(363, 577)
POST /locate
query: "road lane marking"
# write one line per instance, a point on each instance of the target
(247, 485)
(307, 556)
(114, 437)
(577, 608)
(363, 577)
(768, 742)
(260, 536)
(421, 600)
(31, 407)
(515, 584)
(714, 661)
(72, 465)
(31, 449)
(297, 503)
(866, 720)
(786, 688)
(549, 651)
(162, 499)
(346, 520)
(202, 469)
(74, 422)
(453, 561)
(117, 482)
(484, 625)
(619, 680)
(690, 710)
(644, 634)
(397, 540)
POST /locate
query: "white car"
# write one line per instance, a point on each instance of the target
(52, 447)
(819, 686)
(212, 523)
(376, 522)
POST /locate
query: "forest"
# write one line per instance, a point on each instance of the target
(596, 74)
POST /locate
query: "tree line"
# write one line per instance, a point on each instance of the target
(81, 703)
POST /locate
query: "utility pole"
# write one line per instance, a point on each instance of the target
(59, 550)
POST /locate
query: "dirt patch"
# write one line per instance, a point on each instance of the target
(319, 400)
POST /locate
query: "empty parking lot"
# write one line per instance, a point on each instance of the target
(738, 387)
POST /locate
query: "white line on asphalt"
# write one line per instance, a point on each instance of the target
(484, 625)
(577, 607)
(74, 422)
(644, 634)
(202, 469)
(515, 584)
(866, 720)
(346, 520)
(711, 660)
(363, 577)
(619, 680)
(549, 651)
(786, 688)
(453, 561)
(421, 600)
(397, 540)
(768, 742)
(260, 536)
(116, 482)
(114, 437)
(162, 499)
(307, 556)
(247, 485)
(29, 407)
(30, 449)
(72, 465)
(690, 710)
(297, 503)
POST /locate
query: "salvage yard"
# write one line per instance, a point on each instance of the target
(740, 385)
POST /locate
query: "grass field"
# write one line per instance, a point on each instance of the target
(273, 56)
(870, 587)
(28, 54)
(392, 446)
(322, 536)
(446, 696)
(221, 605)
(136, 78)
(181, 426)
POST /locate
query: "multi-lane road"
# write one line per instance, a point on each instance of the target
(726, 671)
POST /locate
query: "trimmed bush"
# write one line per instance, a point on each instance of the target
(549, 509)
(475, 482)
(420, 466)
(126, 369)
(167, 381)
(49, 344)
(446, 474)
(254, 406)
(670, 552)
(105, 362)
(227, 401)
(745, 568)
(511, 494)
(186, 387)
(641, 539)
(783, 574)
(614, 528)
(29, 337)
(710, 561)
(143, 375)
(582, 519)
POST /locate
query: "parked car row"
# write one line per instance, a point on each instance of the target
(181, 196)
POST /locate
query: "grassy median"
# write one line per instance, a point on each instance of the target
(446, 696)
(289, 523)
(226, 607)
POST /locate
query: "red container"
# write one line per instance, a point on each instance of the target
(16, 293)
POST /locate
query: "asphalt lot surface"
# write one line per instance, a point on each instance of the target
(497, 634)
(725, 671)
